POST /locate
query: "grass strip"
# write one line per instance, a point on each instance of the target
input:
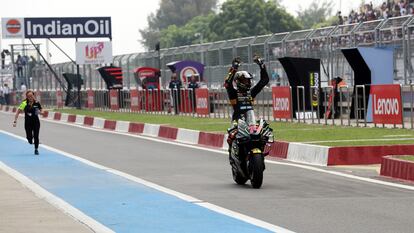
(286, 131)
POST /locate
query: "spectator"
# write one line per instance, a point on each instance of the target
(340, 19)
(19, 64)
(175, 87)
(23, 87)
(369, 12)
(193, 85)
(6, 93)
(3, 59)
(32, 64)
(1, 96)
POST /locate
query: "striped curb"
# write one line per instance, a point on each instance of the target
(394, 167)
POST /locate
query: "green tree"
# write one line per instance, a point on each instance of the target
(190, 33)
(317, 13)
(241, 18)
(177, 13)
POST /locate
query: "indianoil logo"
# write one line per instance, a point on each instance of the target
(186, 72)
(13, 26)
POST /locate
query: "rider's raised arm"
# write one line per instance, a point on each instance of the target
(228, 82)
(264, 77)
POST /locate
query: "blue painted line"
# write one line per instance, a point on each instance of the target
(116, 202)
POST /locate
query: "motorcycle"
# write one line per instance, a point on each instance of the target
(248, 141)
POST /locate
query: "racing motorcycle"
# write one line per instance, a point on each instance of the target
(248, 141)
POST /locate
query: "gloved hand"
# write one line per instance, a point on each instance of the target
(235, 64)
(260, 61)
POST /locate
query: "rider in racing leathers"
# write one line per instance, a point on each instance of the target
(242, 98)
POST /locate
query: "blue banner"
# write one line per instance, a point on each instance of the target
(79, 27)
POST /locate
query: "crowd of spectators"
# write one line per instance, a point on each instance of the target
(368, 12)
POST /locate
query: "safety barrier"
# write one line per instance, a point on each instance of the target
(392, 106)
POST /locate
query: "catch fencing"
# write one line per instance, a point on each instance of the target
(337, 106)
(323, 43)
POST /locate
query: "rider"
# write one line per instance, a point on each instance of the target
(242, 98)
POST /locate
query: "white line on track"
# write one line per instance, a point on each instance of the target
(60, 204)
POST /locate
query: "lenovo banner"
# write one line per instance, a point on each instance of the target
(282, 102)
(202, 101)
(73, 27)
(386, 104)
(93, 52)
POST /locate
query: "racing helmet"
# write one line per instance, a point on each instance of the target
(243, 80)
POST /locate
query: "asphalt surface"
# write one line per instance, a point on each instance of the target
(22, 211)
(294, 198)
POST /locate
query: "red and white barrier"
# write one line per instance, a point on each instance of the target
(64, 117)
(71, 119)
(51, 115)
(304, 153)
(57, 116)
(168, 132)
(80, 119)
(397, 168)
(151, 130)
(98, 123)
(122, 126)
(188, 136)
(110, 124)
(136, 127)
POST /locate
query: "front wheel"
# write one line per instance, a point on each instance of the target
(238, 177)
(256, 168)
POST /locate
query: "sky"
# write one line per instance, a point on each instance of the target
(127, 18)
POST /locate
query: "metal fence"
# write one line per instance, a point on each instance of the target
(183, 102)
(324, 43)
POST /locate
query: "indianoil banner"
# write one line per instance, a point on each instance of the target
(62, 27)
(282, 102)
(386, 104)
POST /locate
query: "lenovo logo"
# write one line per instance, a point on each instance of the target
(281, 104)
(202, 103)
(386, 106)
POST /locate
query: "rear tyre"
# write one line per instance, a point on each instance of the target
(256, 168)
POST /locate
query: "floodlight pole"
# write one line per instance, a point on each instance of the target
(158, 49)
(78, 103)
